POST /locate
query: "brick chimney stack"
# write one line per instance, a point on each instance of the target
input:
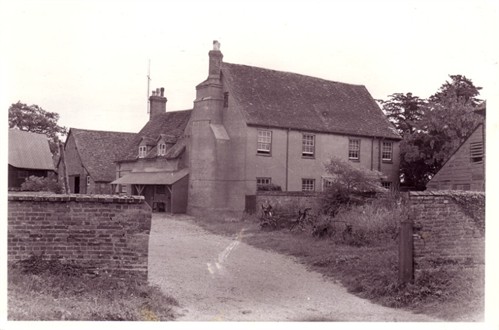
(216, 57)
(157, 102)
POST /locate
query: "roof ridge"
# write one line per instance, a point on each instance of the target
(293, 73)
(97, 130)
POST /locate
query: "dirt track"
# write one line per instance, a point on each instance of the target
(217, 278)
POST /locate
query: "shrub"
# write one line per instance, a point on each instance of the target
(36, 183)
(349, 185)
(371, 223)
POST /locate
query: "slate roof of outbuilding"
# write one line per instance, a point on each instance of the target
(29, 150)
(272, 98)
(171, 124)
(98, 151)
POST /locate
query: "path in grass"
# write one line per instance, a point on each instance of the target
(217, 278)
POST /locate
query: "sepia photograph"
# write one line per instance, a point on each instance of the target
(271, 163)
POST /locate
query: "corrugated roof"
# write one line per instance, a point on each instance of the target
(98, 151)
(170, 123)
(152, 177)
(281, 99)
(29, 150)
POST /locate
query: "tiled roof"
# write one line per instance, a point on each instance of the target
(289, 100)
(99, 149)
(170, 123)
(29, 150)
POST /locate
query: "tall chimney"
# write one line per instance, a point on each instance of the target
(216, 57)
(157, 102)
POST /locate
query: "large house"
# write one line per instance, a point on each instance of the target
(252, 126)
(86, 165)
(465, 169)
(29, 154)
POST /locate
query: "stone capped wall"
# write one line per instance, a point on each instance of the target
(105, 233)
(449, 227)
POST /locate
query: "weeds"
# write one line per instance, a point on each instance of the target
(364, 259)
(49, 290)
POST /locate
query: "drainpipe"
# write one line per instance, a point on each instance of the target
(372, 153)
(287, 157)
(379, 154)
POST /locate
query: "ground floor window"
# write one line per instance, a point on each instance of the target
(326, 183)
(386, 184)
(307, 184)
(262, 182)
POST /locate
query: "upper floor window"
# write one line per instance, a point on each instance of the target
(308, 145)
(161, 149)
(264, 142)
(387, 151)
(476, 152)
(354, 149)
(307, 184)
(142, 151)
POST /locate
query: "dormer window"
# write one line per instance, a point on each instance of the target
(142, 151)
(161, 149)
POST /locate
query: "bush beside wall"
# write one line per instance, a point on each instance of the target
(288, 201)
(104, 233)
(449, 227)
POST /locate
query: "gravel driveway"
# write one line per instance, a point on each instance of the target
(217, 278)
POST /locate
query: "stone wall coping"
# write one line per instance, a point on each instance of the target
(288, 193)
(49, 197)
(448, 193)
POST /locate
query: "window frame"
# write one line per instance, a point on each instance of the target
(269, 179)
(351, 150)
(142, 151)
(161, 149)
(383, 152)
(304, 153)
(326, 183)
(304, 184)
(386, 185)
(260, 151)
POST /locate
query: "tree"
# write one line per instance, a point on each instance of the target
(404, 111)
(442, 124)
(34, 119)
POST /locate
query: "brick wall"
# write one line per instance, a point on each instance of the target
(288, 201)
(107, 234)
(449, 227)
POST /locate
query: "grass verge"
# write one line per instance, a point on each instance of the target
(451, 293)
(54, 292)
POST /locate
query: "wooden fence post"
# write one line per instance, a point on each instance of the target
(406, 257)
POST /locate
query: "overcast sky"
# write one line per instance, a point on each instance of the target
(88, 60)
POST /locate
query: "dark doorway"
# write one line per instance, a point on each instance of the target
(77, 184)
